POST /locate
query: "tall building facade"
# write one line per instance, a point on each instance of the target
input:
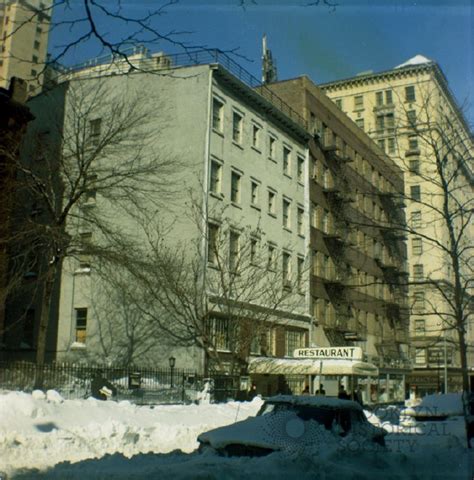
(356, 259)
(412, 115)
(24, 30)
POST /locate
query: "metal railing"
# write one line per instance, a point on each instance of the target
(140, 385)
(141, 60)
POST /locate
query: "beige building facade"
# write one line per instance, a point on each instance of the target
(356, 259)
(412, 115)
(24, 30)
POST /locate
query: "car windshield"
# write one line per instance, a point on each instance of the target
(324, 416)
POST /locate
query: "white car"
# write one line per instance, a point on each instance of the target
(290, 422)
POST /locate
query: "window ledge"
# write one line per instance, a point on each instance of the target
(237, 144)
(219, 196)
(274, 215)
(82, 271)
(217, 132)
(78, 346)
(274, 160)
(287, 175)
(256, 149)
(257, 207)
(288, 229)
(236, 205)
(301, 183)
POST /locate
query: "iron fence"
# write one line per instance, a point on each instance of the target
(140, 385)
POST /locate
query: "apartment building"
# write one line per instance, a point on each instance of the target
(356, 258)
(411, 114)
(24, 30)
(241, 163)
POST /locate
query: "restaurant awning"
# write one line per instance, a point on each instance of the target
(306, 366)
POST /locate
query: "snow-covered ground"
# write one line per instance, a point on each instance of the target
(44, 436)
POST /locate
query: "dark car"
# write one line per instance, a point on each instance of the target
(289, 423)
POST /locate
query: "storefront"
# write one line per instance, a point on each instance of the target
(317, 368)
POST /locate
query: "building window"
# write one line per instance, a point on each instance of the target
(415, 193)
(219, 333)
(412, 143)
(420, 356)
(39, 31)
(325, 221)
(358, 102)
(390, 122)
(286, 270)
(391, 145)
(299, 273)
(411, 118)
(36, 45)
(253, 250)
(217, 115)
(234, 251)
(286, 161)
(271, 147)
(271, 264)
(235, 187)
(85, 259)
(271, 202)
(414, 166)
(300, 220)
(81, 325)
(388, 97)
(381, 144)
(94, 131)
(338, 102)
(410, 94)
(256, 137)
(418, 272)
(418, 301)
(300, 167)
(254, 192)
(216, 177)
(294, 339)
(380, 122)
(34, 72)
(419, 327)
(416, 219)
(416, 246)
(360, 123)
(237, 123)
(286, 213)
(379, 98)
(212, 243)
(35, 59)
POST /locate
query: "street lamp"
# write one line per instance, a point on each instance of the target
(172, 362)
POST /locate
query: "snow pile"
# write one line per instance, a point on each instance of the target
(438, 405)
(39, 431)
(416, 60)
(43, 436)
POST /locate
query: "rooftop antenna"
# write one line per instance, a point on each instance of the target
(269, 69)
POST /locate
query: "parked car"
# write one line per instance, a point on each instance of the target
(289, 423)
(440, 419)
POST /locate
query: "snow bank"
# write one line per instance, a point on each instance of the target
(39, 431)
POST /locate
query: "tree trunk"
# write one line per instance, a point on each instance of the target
(463, 355)
(44, 322)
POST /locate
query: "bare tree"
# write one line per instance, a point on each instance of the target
(91, 160)
(224, 291)
(439, 190)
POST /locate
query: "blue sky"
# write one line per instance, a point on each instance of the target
(326, 44)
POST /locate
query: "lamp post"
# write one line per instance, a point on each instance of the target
(172, 362)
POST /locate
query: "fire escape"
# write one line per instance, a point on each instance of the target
(337, 238)
(391, 262)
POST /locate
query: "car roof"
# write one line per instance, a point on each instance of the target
(314, 401)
